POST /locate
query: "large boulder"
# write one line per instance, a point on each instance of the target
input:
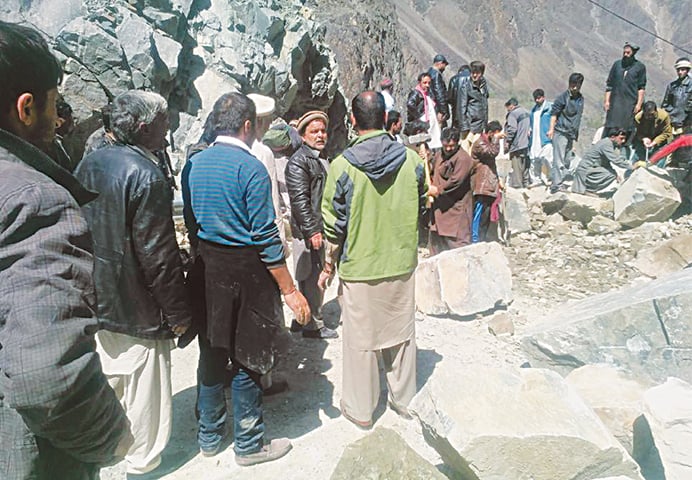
(663, 435)
(516, 211)
(600, 225)
(464, 281)
(583, 208)
(512, 423)
(670, 256)
(646, 196)
(642, 328)
(383, 455)
(613, 395)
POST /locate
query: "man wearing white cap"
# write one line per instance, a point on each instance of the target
(265, 107)
(678, 98)
(306, 173)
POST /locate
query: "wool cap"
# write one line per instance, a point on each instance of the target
(683, 63)
(386, 83)
(635, 48)
(309, 117)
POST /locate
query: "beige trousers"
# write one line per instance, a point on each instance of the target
(378, 320)
(361, 378)
(139, 371)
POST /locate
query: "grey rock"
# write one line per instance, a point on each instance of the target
(464, 281)
(516, 211)
(554, 203)
(501, 324)
(600, 225)
(614, 395)
(645, 197)
(668, 257)
(512, 423)
(663, 435)
(643, 328)
(383, 455)
(582, 208)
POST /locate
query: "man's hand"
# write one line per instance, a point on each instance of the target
(550, 133)
(639, 164)
(324, 280)
(637, 108)
(606, 105)
(299, 306)
(647, 142)
(440, 118)
(433, 191)
(178, 330)
(316, 241)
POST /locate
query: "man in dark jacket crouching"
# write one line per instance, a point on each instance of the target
(59, 419)
(139, 277)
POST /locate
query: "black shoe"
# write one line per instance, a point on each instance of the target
(296, 327)
(324, 332)
(276, 387)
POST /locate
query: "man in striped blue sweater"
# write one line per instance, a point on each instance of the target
(244, 274)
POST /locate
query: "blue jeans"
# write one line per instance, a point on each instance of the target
(248, 424)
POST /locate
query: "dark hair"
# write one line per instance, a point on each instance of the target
(106, 111)
(368, 110)
(415, 127)
(449, 134)
(617, 131)
(538, 93)
(464, 68)
(649, 107)
(477, 67)
(229, 114)
(64, 110)
(26, 66)
(422, 76)
(511, 101)
(493, 126)
(392, 117)
(576, 79)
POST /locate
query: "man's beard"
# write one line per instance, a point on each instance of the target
(628, 61)
(447, 155)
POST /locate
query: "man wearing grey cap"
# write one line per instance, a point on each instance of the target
(624, 93)
(306, 173)
(438, 88)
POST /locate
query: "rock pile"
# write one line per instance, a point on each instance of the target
(190, 51)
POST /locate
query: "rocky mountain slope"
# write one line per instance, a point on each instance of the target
(525, 44)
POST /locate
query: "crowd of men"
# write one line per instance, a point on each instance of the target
(462, 144)
(94, 292)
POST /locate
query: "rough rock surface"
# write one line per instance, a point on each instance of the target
(383, 455)
(583, 208)
(464, 281)
(613, 394)
(645, 197)
(600, 225)
(190, 51)
(671, 256)
(663, 437)
(516, 211)
(516, 424)
(643, 328)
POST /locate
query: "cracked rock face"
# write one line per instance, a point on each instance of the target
(644, 329)
(189, 51)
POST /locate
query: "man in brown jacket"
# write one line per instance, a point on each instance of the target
(486, 184)
(452, 211)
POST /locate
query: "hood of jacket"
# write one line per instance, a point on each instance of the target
(376, 154)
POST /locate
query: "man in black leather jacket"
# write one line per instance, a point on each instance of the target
(139, 277)
(438, 88)
(306, 173)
